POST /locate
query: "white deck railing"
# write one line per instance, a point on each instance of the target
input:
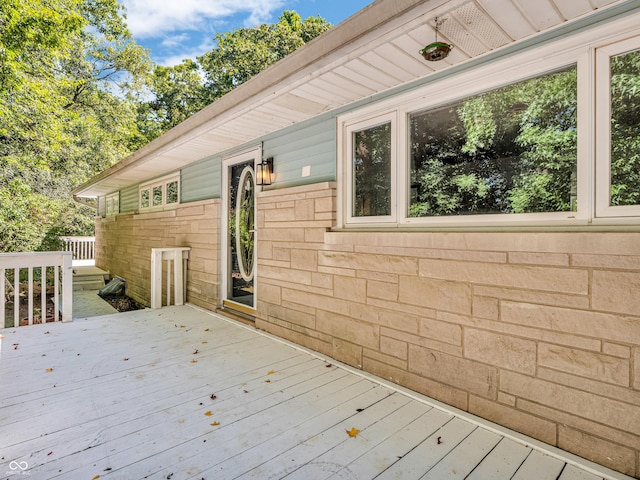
(83, 248)
(48, 275)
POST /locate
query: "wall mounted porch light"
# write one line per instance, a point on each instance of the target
(437, 50)
(264, 172)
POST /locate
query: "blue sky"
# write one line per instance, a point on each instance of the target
(176, 29)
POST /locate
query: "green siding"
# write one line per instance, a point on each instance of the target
(201, 180)
(129, 199)
(102, 206)
(313, 144)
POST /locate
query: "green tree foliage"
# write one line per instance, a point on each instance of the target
(68, 70)
(180, 91)
(241, 54)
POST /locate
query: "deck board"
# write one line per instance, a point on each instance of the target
(128, 394)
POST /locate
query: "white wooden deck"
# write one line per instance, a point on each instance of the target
(180, 393)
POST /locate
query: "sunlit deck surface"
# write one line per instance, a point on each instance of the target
(181, 393)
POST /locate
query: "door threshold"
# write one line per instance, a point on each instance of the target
(241, 317)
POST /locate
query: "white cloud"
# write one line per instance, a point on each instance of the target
(156, 18)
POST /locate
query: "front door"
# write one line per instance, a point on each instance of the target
(239, 232)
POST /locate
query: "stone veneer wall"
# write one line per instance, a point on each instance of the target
(124, 243)
(539, 332)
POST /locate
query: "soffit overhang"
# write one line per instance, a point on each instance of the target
(372, 52)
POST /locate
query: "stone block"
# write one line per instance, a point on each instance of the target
(596, 325)
(437, 294)
(616, 292)
(314, 300)
(595, 366)
(269, 293)
(364, 261)
(517, 420)
(347, 352)
(622, 262)
(551, 279)
(539, 258)
(608, 411)
(441, 331)
(314, 235)
(485, 307)
(597, 450)
(620, 351)
(325, 204)
(399, 321)
(439, 391)
(304, 260)
(503, 351)
(349, 330)
(393, 347)
(382, 290)
(349, 288)
(384, 358)
(455, 371)
(305, 209)
(322, 280)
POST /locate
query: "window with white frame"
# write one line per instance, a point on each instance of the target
(518, 147)
(618, 122)
(113, 203)
(160, 193)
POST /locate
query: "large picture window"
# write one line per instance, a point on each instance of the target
(511, 150)
(533, 140)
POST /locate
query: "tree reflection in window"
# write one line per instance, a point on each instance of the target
(625, 129)
(511, 150)
(372, 171)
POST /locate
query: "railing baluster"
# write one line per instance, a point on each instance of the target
(16, 297)
(56, 293)
(30, 295)
(3, 280)
(43, 294)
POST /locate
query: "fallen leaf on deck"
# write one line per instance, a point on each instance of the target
(215, 424)
(213, 396)
(328, 365)
(49, 453)
(245, 391)
(204, 343)
(271, 372)
(206, 329)
(267, 381)
(359, 410)
(15, 346)
(49, 370)
(96, 477)
(195, 352)
(208, 413)
(439, 440)
(183, 326)
(353, 432)
(126, 359)
(47, 332)
(194, 361)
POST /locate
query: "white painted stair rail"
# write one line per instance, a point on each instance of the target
(178, 257)
(57, 266)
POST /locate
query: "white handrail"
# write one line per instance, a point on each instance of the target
(83, 248)
(56, 283)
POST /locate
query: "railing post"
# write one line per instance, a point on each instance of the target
(67, 286)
